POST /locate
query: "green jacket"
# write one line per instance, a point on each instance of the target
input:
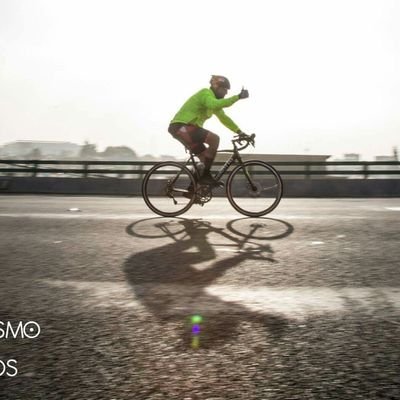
(202, 105)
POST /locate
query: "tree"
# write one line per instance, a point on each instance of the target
(119, 153)
(395, 154)
(34, 154)
(88, 151)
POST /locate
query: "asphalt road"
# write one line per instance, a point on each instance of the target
(304, 304)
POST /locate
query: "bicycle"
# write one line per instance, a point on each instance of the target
(253, 188)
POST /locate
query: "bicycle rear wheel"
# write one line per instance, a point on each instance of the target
(165, 189)
(254, 188)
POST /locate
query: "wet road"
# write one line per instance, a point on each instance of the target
(304, 304)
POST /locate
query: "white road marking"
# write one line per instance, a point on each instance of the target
(393, 208)
(319, 217)
(76, 216)
(226, 250)
(291, 302)
(298, 302)
(100, 294)
(188, 215)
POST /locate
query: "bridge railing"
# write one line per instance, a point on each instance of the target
(136, 169)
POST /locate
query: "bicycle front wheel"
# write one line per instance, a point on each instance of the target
(254, 188)
(167, 189)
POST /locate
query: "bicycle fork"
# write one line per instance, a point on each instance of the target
(246, 173)
(248, 177)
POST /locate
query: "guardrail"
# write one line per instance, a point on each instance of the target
(125, 169)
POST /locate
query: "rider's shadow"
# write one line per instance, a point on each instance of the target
(168, 282)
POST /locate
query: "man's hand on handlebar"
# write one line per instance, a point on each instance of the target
(244, 137)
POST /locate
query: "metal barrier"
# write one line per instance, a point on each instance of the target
(127, 169)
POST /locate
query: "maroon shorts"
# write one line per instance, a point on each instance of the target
(191, 136)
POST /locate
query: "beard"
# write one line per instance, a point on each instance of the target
(217, 94)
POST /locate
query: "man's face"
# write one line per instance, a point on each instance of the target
(220, 92)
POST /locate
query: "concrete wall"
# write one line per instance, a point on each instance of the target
(111, 186)
(342, 188)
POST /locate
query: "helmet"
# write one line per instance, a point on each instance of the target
(220, 81)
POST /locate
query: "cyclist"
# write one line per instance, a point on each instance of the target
(187, 125)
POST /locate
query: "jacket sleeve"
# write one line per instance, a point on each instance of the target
(215, 104)
(225, 120)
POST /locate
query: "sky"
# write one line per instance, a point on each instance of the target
(323, 75)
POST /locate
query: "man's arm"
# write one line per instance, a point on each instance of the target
(212, 103)
(225, 120)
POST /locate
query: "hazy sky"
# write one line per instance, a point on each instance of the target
(323, 76)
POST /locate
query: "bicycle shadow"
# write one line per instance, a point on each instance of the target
(172, 282)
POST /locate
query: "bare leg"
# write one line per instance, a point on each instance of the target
(208, 155)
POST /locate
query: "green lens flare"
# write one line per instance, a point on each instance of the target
(197, 319)
(195, 342)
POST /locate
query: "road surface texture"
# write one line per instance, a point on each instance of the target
(304, 304)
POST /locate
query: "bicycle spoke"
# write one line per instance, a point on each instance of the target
(254, 189)
(273, 187)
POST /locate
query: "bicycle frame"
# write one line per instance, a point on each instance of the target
(235, 157)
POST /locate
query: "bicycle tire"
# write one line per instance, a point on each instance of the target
(265, 189)
(164, 186)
